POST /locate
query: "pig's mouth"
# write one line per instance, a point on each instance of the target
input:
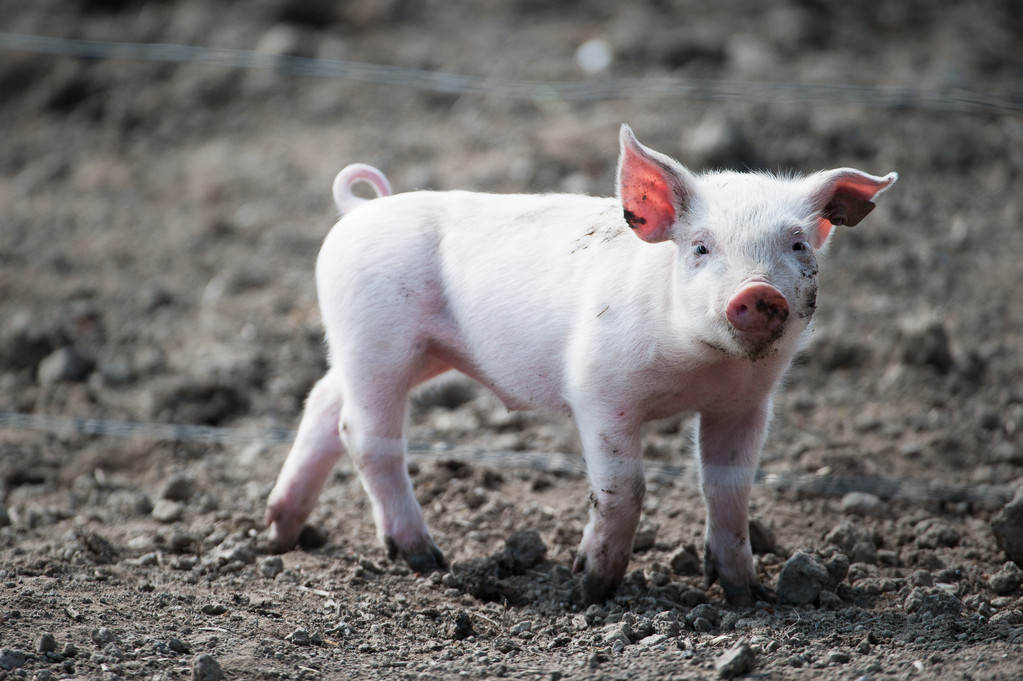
(757, 346)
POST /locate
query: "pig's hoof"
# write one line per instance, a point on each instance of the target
(421, 559)
(744, 595)
(283, 534)
(595, 588)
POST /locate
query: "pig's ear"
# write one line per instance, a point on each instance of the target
(655, 191)
(844, 197)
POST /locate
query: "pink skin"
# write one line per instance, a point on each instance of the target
(684, 293)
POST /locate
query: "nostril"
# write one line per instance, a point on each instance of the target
(758, 309)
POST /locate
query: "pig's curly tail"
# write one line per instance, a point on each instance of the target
(345, 200)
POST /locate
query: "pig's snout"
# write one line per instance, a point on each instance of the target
(757, 311)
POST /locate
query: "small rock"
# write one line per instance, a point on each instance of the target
(837, 657)
(178, 487)
(299, 637)
(214, 609)
(1007, 527)
(737, 660)
(102, 636)
(685, 561)
(46, 643)
(205, 668)
(462, 627)
(523, 549)
(920, 578)
(861, 503)
(933, 534)
(929, 603)
(271, 566)
(652, 640)
(177, 645)
(617, 634)
(5, 518)
(11, 658)
(522, 626)
(167, 511)
(1006, 580)
(801, 579)
(646, 536)
(65, 364)
(232, 550)
(706, 612)
(761, 537)
(829, 600)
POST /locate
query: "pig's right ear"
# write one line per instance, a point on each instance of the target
(655, 191)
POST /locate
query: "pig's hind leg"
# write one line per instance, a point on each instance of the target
(372, 430)
(316, 449)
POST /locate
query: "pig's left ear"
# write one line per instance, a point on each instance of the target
(844, 197)
(655, 191)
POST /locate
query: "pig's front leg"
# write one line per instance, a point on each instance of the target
(617, 486)
(729, 453)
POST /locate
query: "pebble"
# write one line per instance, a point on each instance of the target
(462, 627)
(299, 637)
(178, 487)
(857, 541)
(205, 668)
(801, 580)
(102, 636)
(66, 364)
(703, 617)
(934, 534)
(838, 657)
(271, 566)
(614, 633)
(1006, 580)
(685, 561)
(861, 503)
(46, 643)
(739, 659)
(761, 537)
(646, 536)
(214, 609)
(167, 511)
(929, 603)
(12, 658)
(1007, 527)
(523, 549)
(525, 625)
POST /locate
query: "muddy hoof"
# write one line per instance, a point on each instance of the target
(744, 595)
(421, 559)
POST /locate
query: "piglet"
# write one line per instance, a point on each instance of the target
(685, 293)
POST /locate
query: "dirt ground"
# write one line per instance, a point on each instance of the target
(159, 226)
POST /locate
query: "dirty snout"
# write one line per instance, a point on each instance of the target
(757, 314)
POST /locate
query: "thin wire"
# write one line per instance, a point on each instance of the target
(945, 100)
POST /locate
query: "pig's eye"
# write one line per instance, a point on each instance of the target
(701, 249)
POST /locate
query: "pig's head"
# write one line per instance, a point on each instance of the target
(748, 243)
